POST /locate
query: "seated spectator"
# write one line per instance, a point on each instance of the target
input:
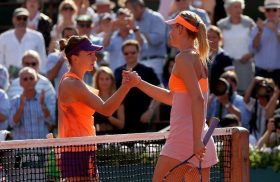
(256, 98)
(4, 110)
(226, 100)
(104, 81)
(32, 114)
(271, 137)
(230, 120)
(4, 78)
(31, 59)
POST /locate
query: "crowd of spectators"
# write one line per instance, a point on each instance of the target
(244, 64)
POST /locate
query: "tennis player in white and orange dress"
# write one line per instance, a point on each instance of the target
(188, 97)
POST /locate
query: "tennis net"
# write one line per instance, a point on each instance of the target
(123, 158)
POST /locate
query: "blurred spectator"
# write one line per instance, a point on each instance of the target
(83, 8)
(120, 30)
(104, 81)
(32, 114)
(265, 41)
(220, 61)
(138, 107)
(226, 100)
(256, 98)
(230, 120)
(4, 110)
(207, 5)
(56, 62)
(31, 59)
(152, 26)
(236, 29)
(66, 18)
(181, 5)
(104, 6)
(4, 78)
(37, 20)
(14, 42)
(165, 7)
(271, 137)
(274, 103)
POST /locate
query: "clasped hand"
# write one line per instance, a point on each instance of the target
(130, 78)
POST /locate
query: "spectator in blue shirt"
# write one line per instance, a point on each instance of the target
(4, 110)
(151, 25)
(32, 114)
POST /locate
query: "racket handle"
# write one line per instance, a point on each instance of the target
(214, 123)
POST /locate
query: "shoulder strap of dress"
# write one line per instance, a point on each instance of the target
(70, 74)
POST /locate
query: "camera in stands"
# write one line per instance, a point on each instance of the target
(222, 87)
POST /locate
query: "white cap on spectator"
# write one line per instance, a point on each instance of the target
(269, 4)
(21, 12)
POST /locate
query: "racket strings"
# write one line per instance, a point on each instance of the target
(184, 173)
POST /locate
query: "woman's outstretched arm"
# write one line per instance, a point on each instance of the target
(160, 94)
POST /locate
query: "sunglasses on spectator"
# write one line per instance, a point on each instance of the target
(65, 8)
(31, 78)
(19, 18)
(131, 53)
(270, 9)
(84, 25)
(30, 64)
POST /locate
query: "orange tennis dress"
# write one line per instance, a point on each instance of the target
(179, 144)
(75, 118)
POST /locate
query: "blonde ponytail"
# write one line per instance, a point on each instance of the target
(203, 45)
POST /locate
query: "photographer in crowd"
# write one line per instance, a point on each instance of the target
(225, 100)
(257, 97)
(271, 137)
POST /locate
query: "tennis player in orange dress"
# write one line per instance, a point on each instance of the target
(188, 97)
(76, 105)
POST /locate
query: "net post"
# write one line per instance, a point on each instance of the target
(240, 155)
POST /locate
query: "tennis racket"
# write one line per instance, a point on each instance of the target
(186, 171)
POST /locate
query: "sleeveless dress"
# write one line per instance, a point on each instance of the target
(179, 144)
(74, 118)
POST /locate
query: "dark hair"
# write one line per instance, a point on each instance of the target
(71, 43)
(69, 29)
(135, 2)
(229, 120)
(131, 43)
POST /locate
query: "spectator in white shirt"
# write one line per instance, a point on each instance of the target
(14, 42)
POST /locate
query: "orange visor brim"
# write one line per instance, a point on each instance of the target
(180, 20)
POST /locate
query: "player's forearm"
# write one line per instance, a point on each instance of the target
(115, 100)
(157, 93)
